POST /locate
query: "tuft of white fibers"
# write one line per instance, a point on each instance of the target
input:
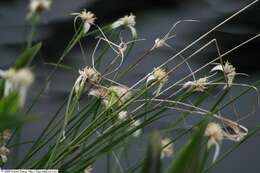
(5, 136)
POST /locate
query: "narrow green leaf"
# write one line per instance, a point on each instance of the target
(190, 157)
(27, 56)
(9, 116)
(152, 163)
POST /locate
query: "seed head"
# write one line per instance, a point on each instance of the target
(17, 80)
(199, 85)
(158, 74)
(38, 6)
(168, 150)
(88, 18)
(89, 169)
(122, 115)
(5, 135)
(229, 71)
(128, 21)
(215, 133)
(123, 93)
(138, 132)
(90, 74)
(99, 92)
(4, 151)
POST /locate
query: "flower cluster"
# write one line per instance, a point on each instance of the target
(229, 71)
(4, 151)
(89, 169)
(17, 81)
(199, 85)
(88, 74)
(138, 132)
(159, 75)
(122, 93)
(38, 6)
(126, 21)
(215, 134)
(167, 150)
(87, 17)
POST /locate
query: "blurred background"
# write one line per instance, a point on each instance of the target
(154, 19)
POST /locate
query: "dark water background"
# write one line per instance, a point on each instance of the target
(154, 18)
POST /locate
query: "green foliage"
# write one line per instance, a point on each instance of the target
(152, 163)
(10, 116)
(26, 58)
(191, 156)
(89, 127)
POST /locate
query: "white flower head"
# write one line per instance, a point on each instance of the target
(38, 6)
(159, 75)
(17, 80)
(159, 43)
(5, 135)
(138, 132)
(100, 93)
(122, 93)
(199, 85)
(89, 169)
(126, 21)
(4, 151)
(122, 115)
(88, 18)
(229, 71)
(88, 74)
(215, 133)
(168, 150)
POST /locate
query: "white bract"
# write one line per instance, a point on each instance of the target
(88, 18)
(17, 81)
